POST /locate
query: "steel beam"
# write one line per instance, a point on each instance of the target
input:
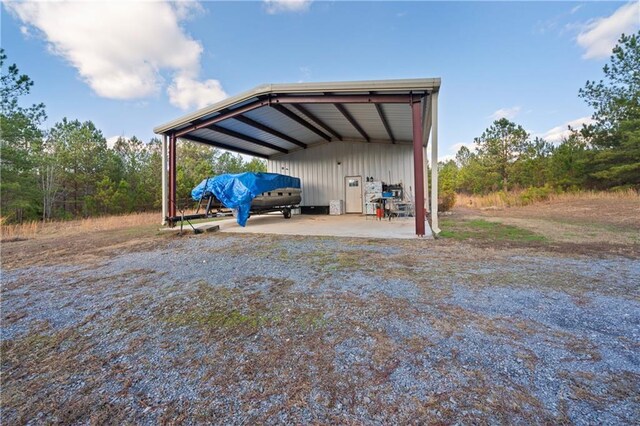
(341, 99)
(165, 195)
(295, 99)
(222, 117)
(172, 176)
(317, 121)
(353, 121)
(426, 119)
(249, 122)
(223, 146)
(385, 123)
(425, 168)
(284, 111)
(418, 167)
(434, 163)
(246, 138)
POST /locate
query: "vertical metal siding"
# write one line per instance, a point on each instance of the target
(323, 179)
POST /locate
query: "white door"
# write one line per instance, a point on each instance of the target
(353, 194)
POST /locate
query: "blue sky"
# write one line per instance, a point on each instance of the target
(131, 66)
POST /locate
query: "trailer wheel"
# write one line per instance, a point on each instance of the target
(287, 213)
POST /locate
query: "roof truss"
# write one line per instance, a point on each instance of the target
(293, 107)
(249, 122)
(293, 116)
(246, 138)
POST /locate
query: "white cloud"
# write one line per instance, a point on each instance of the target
(456, 147)
(555, 23)
(508, 113)
(278, 6)
(556, 134)
(120, 49)
(185, 92)
(453, 150)
(111, 142)
(599, 36)
(305, 73)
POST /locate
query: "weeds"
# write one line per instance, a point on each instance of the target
(224, 312)
(535, 195)
(105, 223)
(480, 229)
(332, 261)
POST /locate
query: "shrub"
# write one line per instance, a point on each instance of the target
(533, 195)
(446, 201)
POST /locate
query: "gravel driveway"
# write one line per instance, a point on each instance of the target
(274, 329)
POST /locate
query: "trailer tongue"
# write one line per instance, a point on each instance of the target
(248, 193)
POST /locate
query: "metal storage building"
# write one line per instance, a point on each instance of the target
(324, 168)
(325, 134)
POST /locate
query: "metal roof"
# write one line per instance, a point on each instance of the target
(274, 119)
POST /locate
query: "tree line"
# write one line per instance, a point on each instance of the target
(602, 155)
(70, 171)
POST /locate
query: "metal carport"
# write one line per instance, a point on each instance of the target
(280, 118)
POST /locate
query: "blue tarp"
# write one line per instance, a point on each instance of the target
(236, 191)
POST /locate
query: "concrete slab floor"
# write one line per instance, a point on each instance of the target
(323, 225)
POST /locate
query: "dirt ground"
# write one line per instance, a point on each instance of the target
(623, 214)
(528, 315)
(598, 227)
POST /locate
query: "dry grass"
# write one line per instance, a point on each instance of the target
(20, 231)
(517, 198)
(40, 365)
(81, 241)
(603, 389)
(12, 232)
(579, 223)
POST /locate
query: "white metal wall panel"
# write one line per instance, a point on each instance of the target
(323, 178)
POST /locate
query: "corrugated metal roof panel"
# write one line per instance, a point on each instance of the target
(283, 124)
(329, 115)
(227, 140)
(387, 86)
(367, 117)
(250, 131)
(400, 122)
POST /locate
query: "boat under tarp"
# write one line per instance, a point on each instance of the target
(247, 193)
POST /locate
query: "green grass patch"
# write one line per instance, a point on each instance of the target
(220, 318)
(480, 229)
(242, 312)
(335, 260)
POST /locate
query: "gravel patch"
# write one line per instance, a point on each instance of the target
(297, 330)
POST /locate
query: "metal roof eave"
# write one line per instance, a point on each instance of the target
(421, 84)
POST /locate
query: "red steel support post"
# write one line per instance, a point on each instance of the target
(172, 176)
(418, 168)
